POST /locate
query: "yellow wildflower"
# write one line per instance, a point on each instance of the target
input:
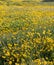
(10, 62)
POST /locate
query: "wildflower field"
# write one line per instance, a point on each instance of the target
(26, 34)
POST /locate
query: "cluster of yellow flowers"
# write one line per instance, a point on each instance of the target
(27, 35)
